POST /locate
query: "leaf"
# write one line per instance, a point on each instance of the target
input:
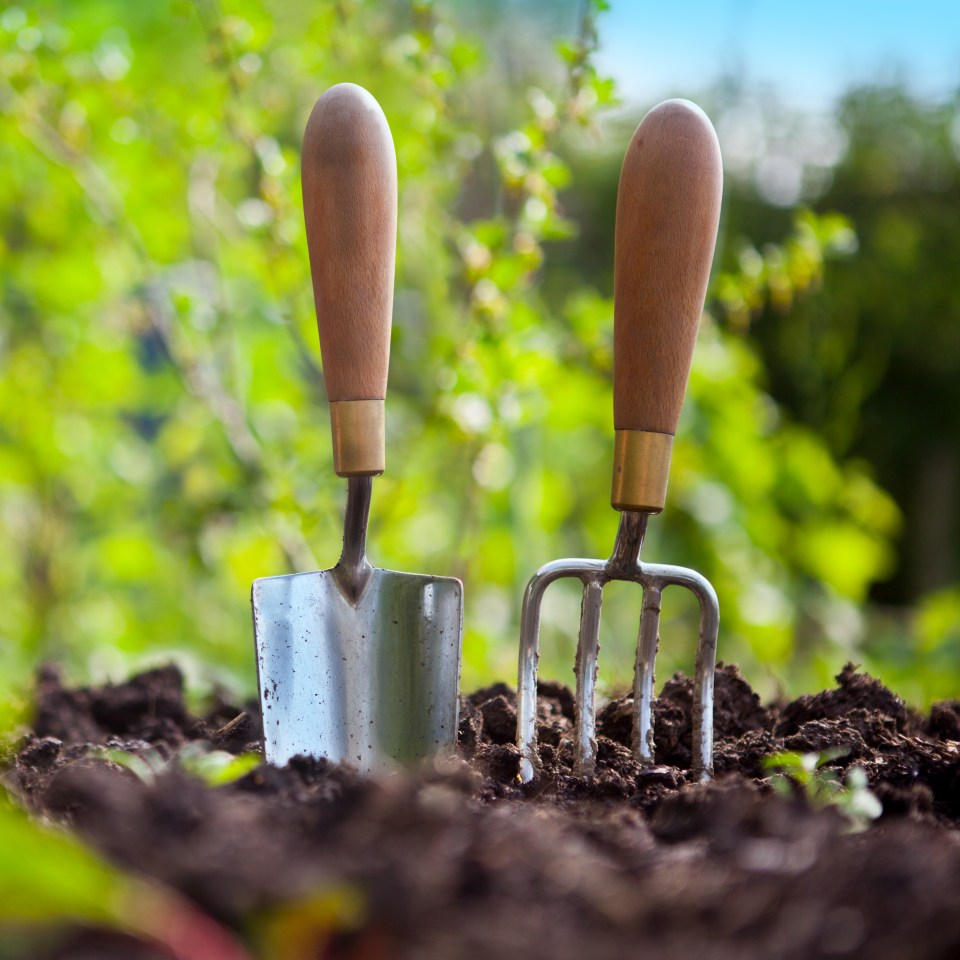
(46, 875)
(218, 767)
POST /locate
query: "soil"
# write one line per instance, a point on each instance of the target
(459, 860)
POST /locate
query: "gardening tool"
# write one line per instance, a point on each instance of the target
(668, 207)
(355, 663)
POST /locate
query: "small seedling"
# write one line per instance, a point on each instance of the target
(822, 786)
(214, 767)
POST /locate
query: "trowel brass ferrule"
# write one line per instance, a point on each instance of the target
(624, 564)
(641, 466)
(358, 437)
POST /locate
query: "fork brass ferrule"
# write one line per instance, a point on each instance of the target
(641, 466)
(357, 427)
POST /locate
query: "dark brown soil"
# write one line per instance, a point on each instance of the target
(459, 860)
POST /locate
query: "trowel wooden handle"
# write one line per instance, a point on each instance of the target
(668, 208)
(349, 174)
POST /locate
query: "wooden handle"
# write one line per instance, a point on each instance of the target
(668, 209)
(349, 174)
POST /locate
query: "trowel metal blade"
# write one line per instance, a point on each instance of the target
(373, 683)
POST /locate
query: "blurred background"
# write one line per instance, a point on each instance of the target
(164, 434)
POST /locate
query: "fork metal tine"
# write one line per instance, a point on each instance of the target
(644, 693)
(585, 704)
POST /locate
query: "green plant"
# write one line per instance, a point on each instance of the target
(213, 767)
(822, 786)
(48, 881)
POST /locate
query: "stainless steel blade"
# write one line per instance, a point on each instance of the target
(373, 682)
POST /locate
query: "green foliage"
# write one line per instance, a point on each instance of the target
(822, 786)
(778, 274)
(218, 767)
(870, 361)
(49, 883)
(214, 767)
(46, 875)
(917, 649)
(163, 434)
(867, 360)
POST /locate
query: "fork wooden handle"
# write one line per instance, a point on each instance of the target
(349, 176)
(668, 210)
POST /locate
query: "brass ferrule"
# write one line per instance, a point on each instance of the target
(641, 466)
(358, 437)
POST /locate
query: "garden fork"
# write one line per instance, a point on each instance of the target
(668, 208)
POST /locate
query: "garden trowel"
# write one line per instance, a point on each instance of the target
(355, 663)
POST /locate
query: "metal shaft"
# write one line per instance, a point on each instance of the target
(644, 690)
(353, 569)
(624, 559)
(588, 648)
(627, 546)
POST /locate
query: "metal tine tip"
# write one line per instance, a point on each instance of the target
(653, 578)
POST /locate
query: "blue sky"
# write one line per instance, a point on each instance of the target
(810, 50)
